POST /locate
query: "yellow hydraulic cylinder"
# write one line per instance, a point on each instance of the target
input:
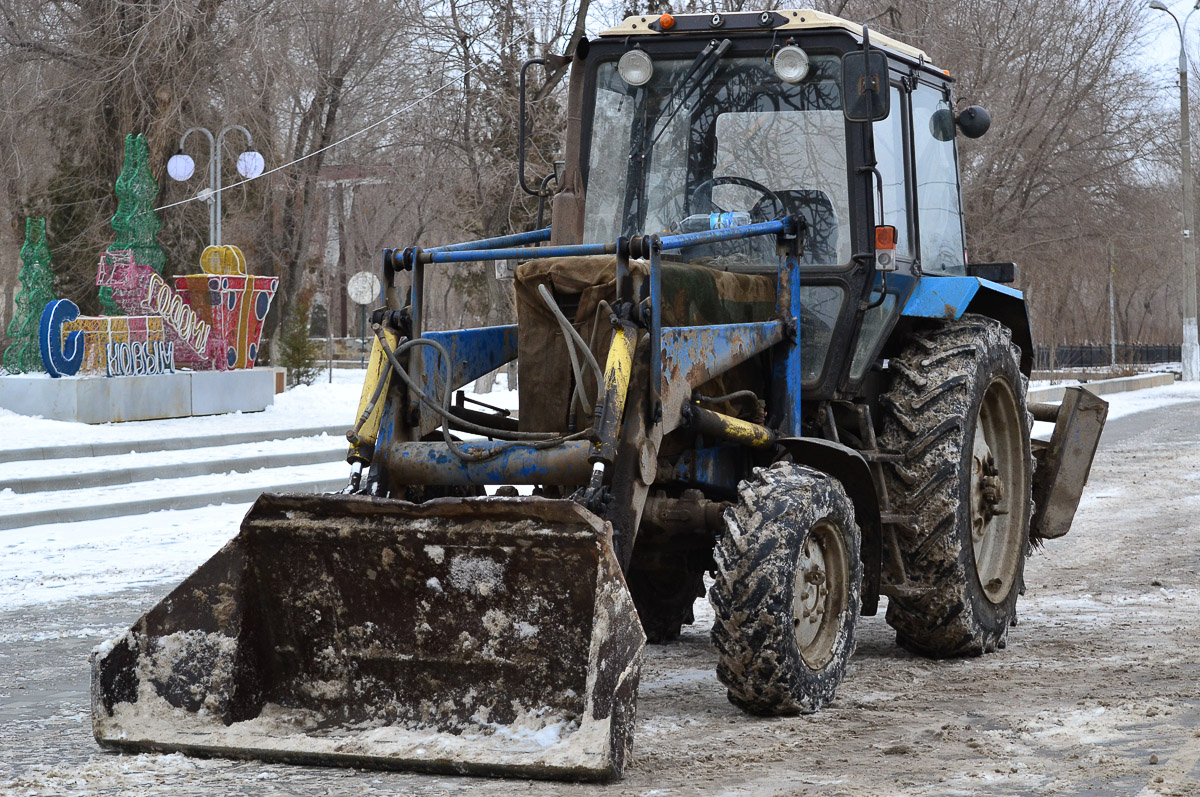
(611, 403)
(735, 430)
(370, 405)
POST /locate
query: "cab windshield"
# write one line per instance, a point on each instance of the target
(733, 145)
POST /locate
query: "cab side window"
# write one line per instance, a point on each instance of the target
(889, 154)
(939, 216)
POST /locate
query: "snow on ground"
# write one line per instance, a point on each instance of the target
(55, 562)
(1135, 401)
(262, 478)
(47, 468)
(39, 564)
(1122, 404)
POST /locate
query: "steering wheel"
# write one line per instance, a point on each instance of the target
(733, 180)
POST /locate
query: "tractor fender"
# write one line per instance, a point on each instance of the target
(851, 469)
(951, 297)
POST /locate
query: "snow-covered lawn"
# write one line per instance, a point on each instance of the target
(69, 560)
(1122, 404)
(39, 564)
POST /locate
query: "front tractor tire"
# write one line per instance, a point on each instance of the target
(788, 591)
(957, 413)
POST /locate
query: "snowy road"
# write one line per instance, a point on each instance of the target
(1098, 680)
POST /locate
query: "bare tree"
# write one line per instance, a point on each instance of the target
(102, 69)
(1075, 160)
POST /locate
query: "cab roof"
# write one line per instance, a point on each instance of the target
(783, 19)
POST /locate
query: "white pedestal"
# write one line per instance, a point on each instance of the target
(93, 399)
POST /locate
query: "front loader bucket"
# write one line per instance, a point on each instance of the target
(481, 636)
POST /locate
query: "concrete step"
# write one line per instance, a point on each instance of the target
(142, 506)
(105, 478)
(83, 450)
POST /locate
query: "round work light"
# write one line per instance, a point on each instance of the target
(635, 68)
(791, 64)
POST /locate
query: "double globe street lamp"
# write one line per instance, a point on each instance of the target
(1190, 352)
(181, 167)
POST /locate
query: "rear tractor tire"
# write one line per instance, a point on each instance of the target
(957, 413)
(788, 591)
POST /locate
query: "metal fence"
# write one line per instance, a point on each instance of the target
(1099, 355)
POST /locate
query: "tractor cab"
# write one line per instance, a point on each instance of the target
(702, 122)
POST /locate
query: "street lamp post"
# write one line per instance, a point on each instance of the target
(181, 167)
(1190, 352)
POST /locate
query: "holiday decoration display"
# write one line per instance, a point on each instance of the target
(206, 321)
(209, 321)
(102, 345)
(138, 289)
(231, 301)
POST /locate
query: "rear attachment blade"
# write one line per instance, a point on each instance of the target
(484, 636)
(1063, 463)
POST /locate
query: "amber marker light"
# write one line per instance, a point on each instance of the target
(885, 247)
(666, 21)
(885, 237)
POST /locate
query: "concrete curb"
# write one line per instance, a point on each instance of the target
(85, 450)
(105, 478)
(1104, 387)
(141, 507)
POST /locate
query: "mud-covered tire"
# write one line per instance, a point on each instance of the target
(788, 591)
(664, 600)
(956, 410)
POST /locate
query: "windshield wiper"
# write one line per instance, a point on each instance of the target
(681, 92)
(700, 69)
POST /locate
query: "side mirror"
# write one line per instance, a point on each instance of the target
(865, 92)
(974, 121)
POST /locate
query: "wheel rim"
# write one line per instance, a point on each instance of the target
(999, 486)
(819, 594)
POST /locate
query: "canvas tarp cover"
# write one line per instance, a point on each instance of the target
(694, 296)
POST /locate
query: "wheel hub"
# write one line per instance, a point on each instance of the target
(818, 596)
(988, 492)
(997, 478)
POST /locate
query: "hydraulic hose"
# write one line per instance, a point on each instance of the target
(570, 334)
(531, 439)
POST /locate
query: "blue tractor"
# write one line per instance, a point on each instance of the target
(753, 360)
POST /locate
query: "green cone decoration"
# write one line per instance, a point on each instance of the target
(36, 291)
(135, 221)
